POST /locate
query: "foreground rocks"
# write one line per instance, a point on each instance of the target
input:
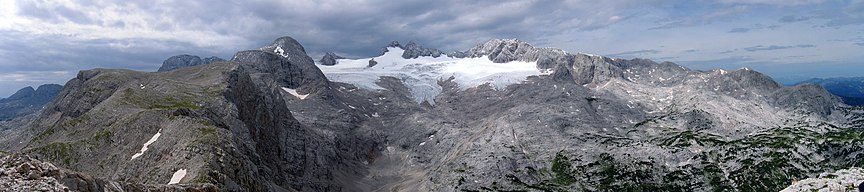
(841, 180)
(23, 173)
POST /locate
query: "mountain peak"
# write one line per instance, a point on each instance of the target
(186, 60)
(285, 46)
(329, 59)
(413, 50)
(22, 93)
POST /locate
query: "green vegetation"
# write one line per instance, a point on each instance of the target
(59, 152)
(174, 103)
(562, 169)
(767, 161)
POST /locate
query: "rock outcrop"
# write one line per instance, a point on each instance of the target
(329, 59)
(180, 61)
(23, 173)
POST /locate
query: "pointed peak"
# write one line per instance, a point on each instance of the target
(394, 44)
(329, 59)
(412, 50)
(285, 46)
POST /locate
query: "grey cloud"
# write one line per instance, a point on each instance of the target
(851, 14)
(753, 27)
(739, 30)
(635, 53)
(54, 13)
(774, 47)
(728, 51)
(860, 44)
(792, 18)
(708, 16)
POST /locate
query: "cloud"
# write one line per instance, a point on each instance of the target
(739, 30)
(635, 53)
(849, 14)
(774, 47)
(792, 18)
(860, 44)
(69, 36)
(707, 15)
(774, 2)
(753, 27)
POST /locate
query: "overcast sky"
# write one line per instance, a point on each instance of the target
(49, 41)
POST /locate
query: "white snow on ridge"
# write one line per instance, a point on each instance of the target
(280, 51)
(422, 74)
(294, 92)
(177, 176)
(144, 148)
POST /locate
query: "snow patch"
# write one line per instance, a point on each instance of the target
(281, 52)
(294, 92)
(421, 75)
(144, 148)
(177, 176)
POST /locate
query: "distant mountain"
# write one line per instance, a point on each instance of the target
(27, 101)
(180, 61)
(850, 89)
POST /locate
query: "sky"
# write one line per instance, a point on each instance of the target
(49, 41)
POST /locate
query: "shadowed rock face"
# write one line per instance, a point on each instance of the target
(270, 120)
(27, 101)
(180, 61)
(330, 58)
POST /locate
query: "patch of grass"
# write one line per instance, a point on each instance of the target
(561, 167)
(104, 135)
(207, 130)
(59, 152)
(171, 104)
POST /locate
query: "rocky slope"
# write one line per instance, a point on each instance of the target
(851, 89)
(27, 101)
(421, 120)
(842, 180)
(23, 173)
(180, 61)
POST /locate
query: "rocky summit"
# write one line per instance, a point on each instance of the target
(180, 61)
(501, 116)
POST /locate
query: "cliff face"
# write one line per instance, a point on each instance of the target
(271, 120)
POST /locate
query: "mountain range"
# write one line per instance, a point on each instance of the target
(501, 116)
(27, 100)
(850, 89)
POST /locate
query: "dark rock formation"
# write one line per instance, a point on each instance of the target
(329, 59)
(180, 61)
(372, 63)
